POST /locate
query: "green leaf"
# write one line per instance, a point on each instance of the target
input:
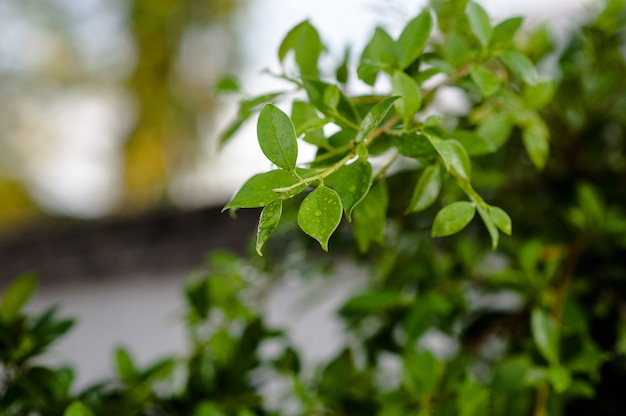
(479, 23)
(414, 145)
(226, 85)
(206, 408)
(501, 219)
(352, 183)
(126, 369)
(77, 408)
(495, 129)
(456, 50)
(268, 221)
(372, 301)
(473, 399)
(560, 378)
(16, 295)
(546, 335)
(308, 123)
(370, 217)
(453, 154)
(410, 99)
(277, 137)
(345, 114)
(539, 95)
(374, 118)
(536, 142)
(453, 218)
(258, 191)
(332, 96)
(421, 374)
(378, 54)
(474, 143)
(320, 214)
(413, 39)
(490, 225)
(342, 71)
(427, 189)
(521, 66)
(504, 32)
(306, 43)
(485, 80)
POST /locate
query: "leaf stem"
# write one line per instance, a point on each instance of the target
(320, 176)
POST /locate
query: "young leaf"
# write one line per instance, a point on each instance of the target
(307, 122)
(370, 217)
(320, 214)
(16, 296)
(427, 189)
(374, 118)
(410, 99)
(345, 114)
(487, 82)
(258, 191)
(453, 218)
(306, 43)
(352, 183)
(479, 23)
(453, 154)
(546, 335)
(501, 219)
(270, 217)
(378, 54)
(536, 143)
(277, 137)
(504, 32)
(413, 39)
(521, 66)
(491, 227)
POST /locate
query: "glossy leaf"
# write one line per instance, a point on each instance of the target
(370, 216)
(277, 137)
(374, 118)
(546, 335)
(453, 154)
(268, 221)
(352, 183)
(521, 66)
(453, 218)
(479, 23)
(16, 295)
(427, 189)
(501, 219)
(410, 99)
(487, 82)
(490, 225)
(258, 191)
(414, 146)
(320, 214)
(413, 39)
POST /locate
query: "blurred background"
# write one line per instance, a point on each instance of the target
(111, 180)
